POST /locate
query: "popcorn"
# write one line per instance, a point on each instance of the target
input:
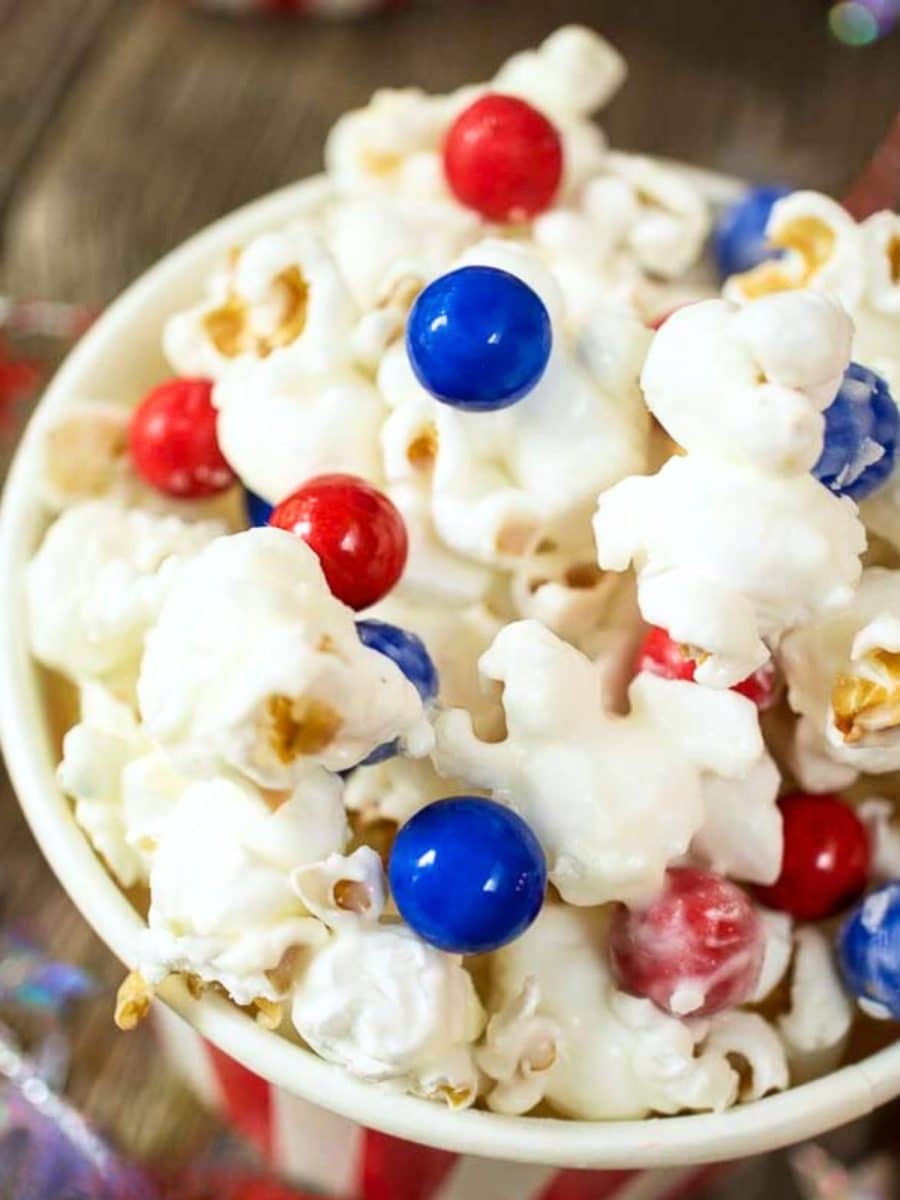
(735, 543)
(843, 676)
(395, 789)
(816, 1028)
(222, 907)
(278, 427)
(97, 583)
(608, 1056)
(390, 146)
(343, 889)
(382, 244)
(84, 454)
(502, 481)
(123, 789)
(856, 263)
(613, 799)
(884, 837)
(280, 296)
(388, 1007)
(297, 690)
(573, 73)
(821, 250)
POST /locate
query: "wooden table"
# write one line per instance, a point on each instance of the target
(125, 126)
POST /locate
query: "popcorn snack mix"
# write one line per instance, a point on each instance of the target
(487, 642)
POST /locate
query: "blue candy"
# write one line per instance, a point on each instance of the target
(410, 655)
(467, 874)
(479, 339)
(739, 238)
(861, 419)
(258, 510)
(868, 950)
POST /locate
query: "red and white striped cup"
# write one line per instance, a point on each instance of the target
(318, 1149)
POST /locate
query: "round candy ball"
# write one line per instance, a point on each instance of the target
(868, 948)
(173, 443)
(662, 655)
(826, 859)
(861, 420)
(355, 530)
(467, 874)
(739, 238)
(696, 950)
(258, 510)
(503, 158)
(479, 339)
(409, 653)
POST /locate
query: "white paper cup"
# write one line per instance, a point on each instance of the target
(120, 356)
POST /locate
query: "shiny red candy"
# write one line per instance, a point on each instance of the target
(661, 655)
(503, 158)
(173, 441)
(355, 530)
(696, 950)
(826, 858)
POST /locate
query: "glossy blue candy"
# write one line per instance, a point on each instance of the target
(258, 510)
(410, 655)
(861, 419)
(467, 874)
(479, 339)
(739, 238)
(868, 949)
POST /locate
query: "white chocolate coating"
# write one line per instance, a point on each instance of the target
(299, 690)
(613, 799)
(97, 582)
(611, 1056)
(388, 1007)
(222, 904)
(844, 684)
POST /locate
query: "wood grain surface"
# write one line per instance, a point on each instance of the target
(125, 125)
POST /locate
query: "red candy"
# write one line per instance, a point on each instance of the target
(697, 949)
(355, 530)
(173, 440)
(661, 655)
(503, 158)
(826, 858)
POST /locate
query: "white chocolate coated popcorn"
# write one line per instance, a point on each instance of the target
(97, 583)
(824, 248)
(735, 543)
(282, 295)
(388, 1007)
(613, 799)
(816, 1027)
(502, 481)
(222, 906)
(296, 689)
(391, 146)
(573, 73)
(857, 263)
(843, 677)
(342, 890)
(124, 789)
(84, 454)
(612, 1056)
(379, 242)
(278, 426)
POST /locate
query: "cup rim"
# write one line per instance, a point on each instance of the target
(800, 1112)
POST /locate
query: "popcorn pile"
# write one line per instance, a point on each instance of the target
(469, 647)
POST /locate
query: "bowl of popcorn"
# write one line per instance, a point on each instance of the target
(452, 636)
